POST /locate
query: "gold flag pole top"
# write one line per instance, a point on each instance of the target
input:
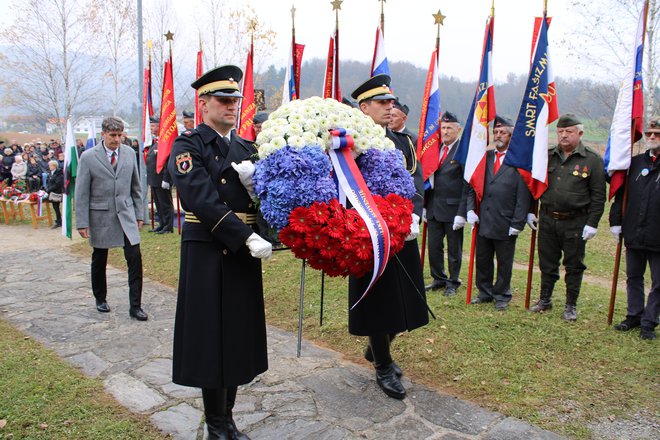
(382, 16)
(149, 46)
(200, 41)
(336, 6)
(492, 9)
(252, 27)
(439, 20)
(545, 7)
(169, 36)
(293, 21)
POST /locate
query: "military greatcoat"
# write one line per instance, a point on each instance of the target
(220, 327)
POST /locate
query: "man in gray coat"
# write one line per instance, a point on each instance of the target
(109, 211)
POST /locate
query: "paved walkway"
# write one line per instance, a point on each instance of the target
(317, 396)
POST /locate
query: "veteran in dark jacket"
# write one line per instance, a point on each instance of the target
(396, 302)
(160, 184)
(571, 208)
(220, 327)
(641, 234)
(502, 214)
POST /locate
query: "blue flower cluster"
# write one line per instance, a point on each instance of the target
(292, 177)
(385, 173)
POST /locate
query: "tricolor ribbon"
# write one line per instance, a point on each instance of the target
(352, 186)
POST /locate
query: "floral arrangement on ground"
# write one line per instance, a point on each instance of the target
(299, 196)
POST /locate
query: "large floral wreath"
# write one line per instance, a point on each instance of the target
(299, 196)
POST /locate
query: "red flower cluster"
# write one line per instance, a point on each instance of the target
(336, 240)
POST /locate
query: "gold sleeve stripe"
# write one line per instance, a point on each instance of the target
(220, 221)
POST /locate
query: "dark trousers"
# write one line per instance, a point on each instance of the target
(133, 258)
(164, 206)
(437, 233)
(486, 251)
(557, 237)
(635, 267)
(58, 213)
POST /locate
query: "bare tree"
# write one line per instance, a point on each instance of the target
(50, 65)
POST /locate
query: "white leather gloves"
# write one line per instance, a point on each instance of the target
(245, 172)
(414, 228)
(616, 231)
(513, 231)
(259, 248)
(165, 185)
(459, 222)
(532, 221)
(588, 232)
(472, 218)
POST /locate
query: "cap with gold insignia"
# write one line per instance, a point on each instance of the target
(404, 108)
(188, 114)
(154, 119)
(221, 81)
(376, 88)
(501, 121)
(568, 120)
(449, 117)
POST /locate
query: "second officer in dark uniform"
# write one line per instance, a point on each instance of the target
(220, 328)
(571, 208)
(397, 301)
(160, 188)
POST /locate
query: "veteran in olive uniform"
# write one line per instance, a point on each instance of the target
(220, 328)
(188, 119)
(571, 208)
(397, 301)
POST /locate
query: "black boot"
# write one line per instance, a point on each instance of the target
(545, 303)
(215, 411)
(386, 378)
(231, 399)
(368, 355)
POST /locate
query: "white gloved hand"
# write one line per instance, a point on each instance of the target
(424, 215)
(414, 228)
(245, 172)
(472, 217)
(513, 231)
(532, 221)
(259, 248)
(459, 222)
(616, 231)
(165, 185)
(588, 232)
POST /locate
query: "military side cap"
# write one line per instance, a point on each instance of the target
(221, 81)
(404, 108)
(449, 117)
(568, 120)
(376, 88)
(653, 125)
(501, 121)
(188, 114)
(260, 117)
(154, 119)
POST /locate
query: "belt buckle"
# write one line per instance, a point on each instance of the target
(556, 215)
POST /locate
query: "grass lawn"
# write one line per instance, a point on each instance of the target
(43, 397)
(557, 375)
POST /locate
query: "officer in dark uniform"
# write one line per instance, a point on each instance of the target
(445, 211)
(571, 208)
(640, 234)
(399, 119)
(502, 214)
(188, 119)
(397, 301)
(160, 187)
(220, 327)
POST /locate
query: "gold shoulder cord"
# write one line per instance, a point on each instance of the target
(413, 153)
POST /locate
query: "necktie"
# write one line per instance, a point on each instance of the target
(113, 159)
(498, 161)
(444, 154)
(224, 146)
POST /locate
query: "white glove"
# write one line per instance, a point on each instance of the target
(165, 185)
(245, 172)
(424, 215)
(459, 222)
(414, 228)
(513, 231)
(472, 217)
(616, 231)
(588, 232)
(532, 221)
(259, 248)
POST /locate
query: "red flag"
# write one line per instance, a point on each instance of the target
(168, 130)
(331, 87)
(246, 127)
(297, 62)
(198, 73)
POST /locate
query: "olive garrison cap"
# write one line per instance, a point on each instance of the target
(653, 125)
(376, 88)
(221, 81)
(404, 108)
(188, 114)
(260, 117)
(568, 120)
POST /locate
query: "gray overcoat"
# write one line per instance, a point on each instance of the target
(108, 201)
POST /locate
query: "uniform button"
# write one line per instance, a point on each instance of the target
(217, 158)
(224, 252)
(223, 181)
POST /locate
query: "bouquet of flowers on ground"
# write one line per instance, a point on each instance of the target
(299, 195)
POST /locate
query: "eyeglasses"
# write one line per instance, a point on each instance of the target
(651, 133)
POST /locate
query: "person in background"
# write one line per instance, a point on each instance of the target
(6, 164)
(399, 119)
(18, 170)
(33, 175)
(55, 188)
(188, 119)
(259, 119)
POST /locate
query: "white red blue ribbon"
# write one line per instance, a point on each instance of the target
(352, 186)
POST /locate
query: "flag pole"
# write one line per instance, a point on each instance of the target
(530, 265)
(382, 16)
(294, 55)
(617, 255)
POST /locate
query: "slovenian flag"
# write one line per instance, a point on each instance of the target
(70, 170)
(472, 148)
(528, 149)
(428, 142)
(379, 63)
(627, 122)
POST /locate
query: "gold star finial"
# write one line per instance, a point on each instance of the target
(439, 18)
(336, 4)
(252, 26)
(169, 36)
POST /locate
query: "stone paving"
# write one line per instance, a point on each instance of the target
(318, 396)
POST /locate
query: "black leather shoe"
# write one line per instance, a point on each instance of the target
(388, 382)
(102, 306)
(164, 231)
(627, 324)
(501, 305)
(158, 229)
(647, 333)
(218, 428)
(478, 300)
(541, 306)
(436, 285)
(450, 291)
(138, 313)
(368, 355)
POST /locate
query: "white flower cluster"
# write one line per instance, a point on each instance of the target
(306, 122)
